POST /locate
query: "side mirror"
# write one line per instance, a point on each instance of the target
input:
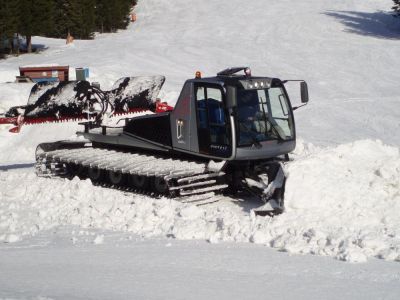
(304, 92)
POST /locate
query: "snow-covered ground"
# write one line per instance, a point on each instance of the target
(343, 190)
(54, 265)
(351, 217)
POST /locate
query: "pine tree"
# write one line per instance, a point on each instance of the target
(88, 18)
(35, 18)
(25, 26)
(115, 11)
(76, 17)
(396, 7)
(62, 23)
(43, 15)
(72, 17)
(104, 15)
(9, 22)
(124, 8)
(2, 21)
(112, 15)
(2, 29)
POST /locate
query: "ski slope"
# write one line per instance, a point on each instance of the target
(343, 189)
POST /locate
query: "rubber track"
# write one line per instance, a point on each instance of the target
(190, 178)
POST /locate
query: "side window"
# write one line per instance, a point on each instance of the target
(212, 127)
(216, 115)
(202, 107)
(215, 94)
(278, 103)
(215, 107)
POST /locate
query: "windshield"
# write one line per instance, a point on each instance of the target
(263, 115)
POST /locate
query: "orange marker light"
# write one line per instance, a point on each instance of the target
(198, 74)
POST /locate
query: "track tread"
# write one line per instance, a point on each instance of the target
(189, 181)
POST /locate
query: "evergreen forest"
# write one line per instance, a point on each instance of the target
(58, 18)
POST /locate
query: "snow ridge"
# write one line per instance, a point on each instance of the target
(341, 201)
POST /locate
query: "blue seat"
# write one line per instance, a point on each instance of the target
(216, 112)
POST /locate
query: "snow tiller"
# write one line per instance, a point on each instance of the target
(79, 100)
(231, 133)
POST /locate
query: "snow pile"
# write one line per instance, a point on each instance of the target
(345, 202)
(342, 202)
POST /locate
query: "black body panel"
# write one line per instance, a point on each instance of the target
(155, 128)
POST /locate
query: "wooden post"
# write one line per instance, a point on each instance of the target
(70, 39)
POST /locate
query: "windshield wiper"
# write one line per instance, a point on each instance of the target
(277, 130)
(273, 127)
(250, 130)
(267, 120)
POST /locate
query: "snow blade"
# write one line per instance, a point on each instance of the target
(271, 208)
(274, 193)
(270, 190)
(131, 93)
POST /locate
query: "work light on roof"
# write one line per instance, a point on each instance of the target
(247, 71)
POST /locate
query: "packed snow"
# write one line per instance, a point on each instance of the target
(347, 208)
(126, 267)
(343, 190)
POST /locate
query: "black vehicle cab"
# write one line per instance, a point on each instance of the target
(234, 117)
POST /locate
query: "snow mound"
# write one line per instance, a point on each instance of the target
(341, 202)
(344, 202)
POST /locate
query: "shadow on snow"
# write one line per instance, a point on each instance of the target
(377, 24)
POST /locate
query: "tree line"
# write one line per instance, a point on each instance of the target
(396, 7)
(58, 18)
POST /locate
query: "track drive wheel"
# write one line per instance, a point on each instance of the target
(95, 174)
(116, 178)
(160, 185)
(140, 182)
(73, 170)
